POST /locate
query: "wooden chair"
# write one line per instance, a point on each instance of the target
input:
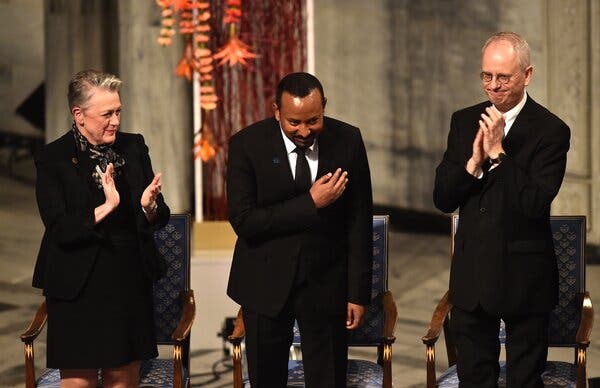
(377, 330)
(570, 322)
(174, 310)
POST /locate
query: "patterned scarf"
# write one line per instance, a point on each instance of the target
(102, 154)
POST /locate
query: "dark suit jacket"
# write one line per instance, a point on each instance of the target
(71, 241)
(277, 227)
(504, 257)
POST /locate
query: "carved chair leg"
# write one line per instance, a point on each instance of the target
(29, 366)
(430, 357)
(237, 366)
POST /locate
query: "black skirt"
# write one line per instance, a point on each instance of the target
(111, 323)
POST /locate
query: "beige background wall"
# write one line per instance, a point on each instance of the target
(398, 69)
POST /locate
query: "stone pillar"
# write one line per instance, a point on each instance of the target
(74, 40)
(353, 61)
(398, 69)
(156, 103)
(573, 52)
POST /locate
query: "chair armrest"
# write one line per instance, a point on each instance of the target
(437, 321)
(238, 330)
(390, 313)
(36, 325)
(587, 321)
(187, 317)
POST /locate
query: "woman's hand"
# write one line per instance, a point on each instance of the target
(148, 200)
(111, 195)
(108, 185)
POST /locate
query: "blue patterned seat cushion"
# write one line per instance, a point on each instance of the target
(50, 378)
(158, 372)
(361, 373)
(153, 373)
(557, 374)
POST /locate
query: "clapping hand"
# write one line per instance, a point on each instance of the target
(492, 124)
(148, 200)
(108, 186)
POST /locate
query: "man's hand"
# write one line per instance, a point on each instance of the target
(327, 189)
(492, 124)
(478, 157)
(355, 314)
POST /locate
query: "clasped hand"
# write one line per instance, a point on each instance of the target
(327, 189)
(488, 141)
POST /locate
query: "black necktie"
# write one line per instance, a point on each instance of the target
(303, 181)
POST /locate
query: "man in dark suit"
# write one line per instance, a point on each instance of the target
(504, 165)
(300, 201)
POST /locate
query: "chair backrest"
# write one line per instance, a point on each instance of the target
(568, 234)
(371, 332)
(173, 243)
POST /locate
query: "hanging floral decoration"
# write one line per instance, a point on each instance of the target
(194, 26)
(234, 51)
(239, 89)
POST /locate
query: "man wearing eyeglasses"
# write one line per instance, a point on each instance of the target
(503, 166)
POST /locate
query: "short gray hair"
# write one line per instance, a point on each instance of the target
(518, 43)
(83, 82)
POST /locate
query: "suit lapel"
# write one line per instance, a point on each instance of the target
(326, 145)
(520, 131)
(80, 161)
(278, 157)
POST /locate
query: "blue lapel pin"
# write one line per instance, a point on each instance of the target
(275, 160)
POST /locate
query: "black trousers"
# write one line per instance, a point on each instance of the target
(324, 344)
(478, 348)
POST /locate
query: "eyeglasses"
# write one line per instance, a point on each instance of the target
(500, 78)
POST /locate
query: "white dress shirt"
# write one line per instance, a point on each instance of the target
(311, 153)
(511, 115)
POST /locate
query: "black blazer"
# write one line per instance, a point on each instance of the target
(503, 257)
(71, 241)
(275, 226)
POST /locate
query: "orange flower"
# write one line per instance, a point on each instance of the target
(233, 52)
(184, 68)
(164, 40)
(164, 3)
(202, 52)
(182, 4)
(204, 150)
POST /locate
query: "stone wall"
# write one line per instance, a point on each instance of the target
(399, 68)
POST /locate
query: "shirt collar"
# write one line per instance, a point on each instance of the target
(511, 115)
(290, 146)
